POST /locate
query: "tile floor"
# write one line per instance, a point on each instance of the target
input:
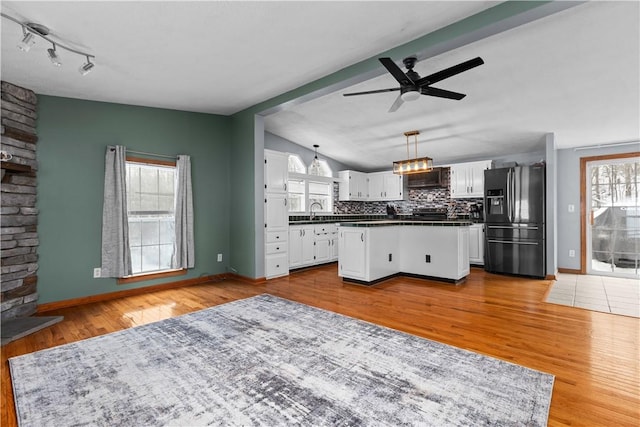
(598, 293)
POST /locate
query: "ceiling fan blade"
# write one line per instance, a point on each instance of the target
(396, 104)
(449, 72)
(372, 91)
(396, 72)
(441, 93)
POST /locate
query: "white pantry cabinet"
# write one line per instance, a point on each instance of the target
(467, 179)
(476, 244)
(276, 214)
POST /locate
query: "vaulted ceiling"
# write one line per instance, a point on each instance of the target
(574, 73)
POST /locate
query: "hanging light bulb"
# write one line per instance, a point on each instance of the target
(315, 164)
(28, 40)
(53, 56)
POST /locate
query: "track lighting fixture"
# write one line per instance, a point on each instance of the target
(32, 30)
(87, 67)
(53, 56)
(27, 41)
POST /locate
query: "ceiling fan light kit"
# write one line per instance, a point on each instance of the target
(415, 165)
(32, 30)
(412, 85)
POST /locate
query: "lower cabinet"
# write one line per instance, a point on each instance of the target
(301, 246)
(276, 259)
(476, 244)
(353, 250)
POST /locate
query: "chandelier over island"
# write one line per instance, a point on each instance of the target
(415, 165)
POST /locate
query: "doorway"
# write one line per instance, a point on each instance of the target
(611, 215)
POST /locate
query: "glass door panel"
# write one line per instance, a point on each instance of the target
(613, 217)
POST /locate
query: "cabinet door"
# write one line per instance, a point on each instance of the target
(353, 185)
(477, 178)
(352, 245)
(333, 247)
(308, 241)
(476, 244)
(393, 186)
(295, 246)
(458, 181)
(276, 214)
(322, 250)
(275, 172)
(376, 188)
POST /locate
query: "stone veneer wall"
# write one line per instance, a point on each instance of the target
(418, 198)
(19, 257)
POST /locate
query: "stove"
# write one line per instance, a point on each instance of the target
(429, 214)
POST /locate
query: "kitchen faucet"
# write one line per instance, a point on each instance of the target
(312, 214)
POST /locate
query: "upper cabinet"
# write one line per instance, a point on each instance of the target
(385, 186)
(377, 186)
(275, 171)
(353, 186)
(467, 179)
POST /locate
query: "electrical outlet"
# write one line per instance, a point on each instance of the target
(571, 208)
(572, 253)
(97, 272)
(219, 257)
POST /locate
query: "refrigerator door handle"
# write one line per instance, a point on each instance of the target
(512, 227)
(508, 242)
(508, 195)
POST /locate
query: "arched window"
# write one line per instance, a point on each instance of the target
(295, 164)
(320, 168)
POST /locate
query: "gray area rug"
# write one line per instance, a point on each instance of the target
(269, 361)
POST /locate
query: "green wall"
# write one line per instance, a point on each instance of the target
(73, 136)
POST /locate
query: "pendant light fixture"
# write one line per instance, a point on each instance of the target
(415, 165)
(314, 168)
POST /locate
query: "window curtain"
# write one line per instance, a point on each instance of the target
(184, 252)
(116, 256)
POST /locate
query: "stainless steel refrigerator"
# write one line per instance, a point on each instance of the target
(514, 203)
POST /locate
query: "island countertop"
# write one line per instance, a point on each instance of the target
(393, 222)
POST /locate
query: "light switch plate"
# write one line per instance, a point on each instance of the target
(97, 272)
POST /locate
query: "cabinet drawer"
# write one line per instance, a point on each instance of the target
(321, 228)
(276, 265)
(276, 236)
(276, 248)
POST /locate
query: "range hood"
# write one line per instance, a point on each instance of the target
(436, 178)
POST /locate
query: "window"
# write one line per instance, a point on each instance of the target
(151, 212)
(306, 189)
(321, 168)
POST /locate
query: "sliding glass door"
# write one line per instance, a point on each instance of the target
(613, 217)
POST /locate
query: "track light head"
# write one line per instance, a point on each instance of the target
(87, 67)
(27, 41)
(53, 56)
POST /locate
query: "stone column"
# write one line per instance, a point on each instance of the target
(19, 215)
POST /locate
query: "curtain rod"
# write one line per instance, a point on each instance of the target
(152, 154)
(614, 144)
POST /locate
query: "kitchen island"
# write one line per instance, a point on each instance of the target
(372, 251)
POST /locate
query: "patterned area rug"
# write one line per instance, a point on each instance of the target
(269, 361)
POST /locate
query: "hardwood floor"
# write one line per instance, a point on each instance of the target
(594, 356)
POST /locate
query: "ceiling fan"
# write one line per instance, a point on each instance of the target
(412, 85)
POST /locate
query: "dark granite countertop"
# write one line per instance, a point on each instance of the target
(392, 222)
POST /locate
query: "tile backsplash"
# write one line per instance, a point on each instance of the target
(418, 198)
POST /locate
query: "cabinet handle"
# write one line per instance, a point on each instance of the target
(277, 249)
(362, 236)
(277, 265)
(285, 186)
(285, 202)
(277, 237)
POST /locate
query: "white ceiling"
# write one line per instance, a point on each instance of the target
(574, 73)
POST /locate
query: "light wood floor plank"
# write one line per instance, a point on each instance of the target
(594, 356)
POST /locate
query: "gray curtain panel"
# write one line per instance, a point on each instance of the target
(184, 251)
(116, 256)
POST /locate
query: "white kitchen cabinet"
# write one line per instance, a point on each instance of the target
(322, 242)
(385, 186)
(333, 245)
(276, 214)
(276, 175)
(476, 244)
(467, 179)
(353, 252)
(353, 185)
(301, 246)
